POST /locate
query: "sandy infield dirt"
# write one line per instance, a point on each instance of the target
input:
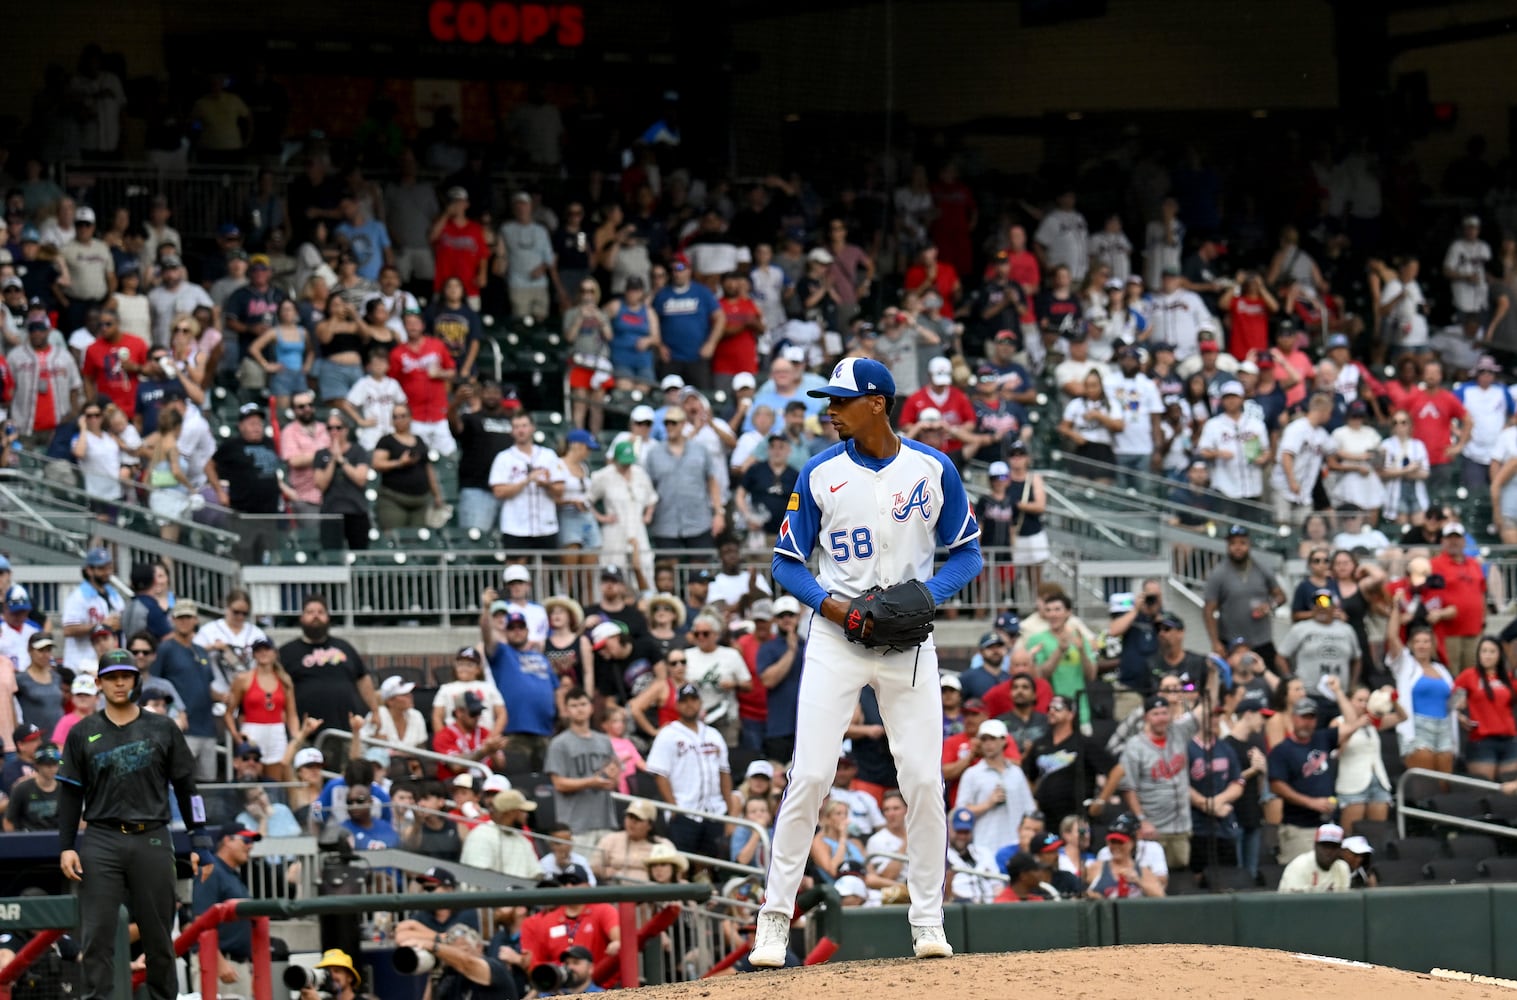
(1132, 973)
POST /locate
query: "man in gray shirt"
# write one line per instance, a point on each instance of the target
(1323, 645)
(689, 512)
(410, 207)
(584, 769)
(1241, 597)
(524, 255)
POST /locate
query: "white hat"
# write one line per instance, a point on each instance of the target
(761, 610)
(1120, 604)
(672, 382)
(1248, 368)
(760, 768)
(999, 469)
(947, 679)
(819, 256)
(851, 885)
(84, 684)
(1230, 389)
(1453, 528)
(516, 573)
(642, 414)
(930, 415)
(308, 755)
(605, 630)
(1329, 833)
(1358, 845)
(743, 380)
(794, 354)
(497, 783)
(393, 686)
(940, 370)
(84, 214)
(786, 605)
(992, 727)
(1469, 220)
(465, 780)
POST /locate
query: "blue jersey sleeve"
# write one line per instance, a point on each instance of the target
(959, 532)
(798, 531)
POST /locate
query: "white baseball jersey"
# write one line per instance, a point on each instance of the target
(694, 762)
(1067, 238)
(1468, 259)
(879, 523)
(532, 512)
(1311, 445)
(13, 644)
(1237, 477)
(86, 606)
(1176, 319)
(1489, 409)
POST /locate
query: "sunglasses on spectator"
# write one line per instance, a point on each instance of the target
(142, 652)
(701, 632)
(239, 612)
(1319, 559)
(184, 329)
(675, 663)
(92, 414)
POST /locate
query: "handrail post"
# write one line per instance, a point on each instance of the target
(627, 952)
(210, 962)
(263, 962)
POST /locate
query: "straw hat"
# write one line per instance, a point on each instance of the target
(569, 604)
(669, 601)
(665, 854)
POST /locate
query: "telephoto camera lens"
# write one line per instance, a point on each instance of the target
(414, 961)
(298, 977)
(548, 976)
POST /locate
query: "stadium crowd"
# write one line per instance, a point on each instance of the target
(1106, 759)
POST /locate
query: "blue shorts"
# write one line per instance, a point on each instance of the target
(333, 380)
(642, 372)
(577, 527)
(1371, 794)
(287, 383)
(1498, 750)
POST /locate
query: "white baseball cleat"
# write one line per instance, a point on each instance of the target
(771, 940)
(929, 942)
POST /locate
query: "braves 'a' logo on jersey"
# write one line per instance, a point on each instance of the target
(918, 500)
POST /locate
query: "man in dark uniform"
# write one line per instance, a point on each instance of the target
(117, 768)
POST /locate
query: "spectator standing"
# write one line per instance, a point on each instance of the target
(742, 326)
(459, 249)
(425, 370)
(584, 770)
(1301, 459)
(687, 479)
(993, 790)
(174, 296)
(1141, 409)
(524, 257)
(113, 363)
(1320, 647)
(366, 238)
(91, 267)
(1459, 619)
(482, 433)
(1441, 423)
(249, 466)
(954, 408)
(188, 667)
(332, 682)
(518, 583)
(690, 325)
(454, 321)
(1155, 781)
(469, 678)
(719, 672)
(299, 442)
(48, 389)
(529, 480)
(1237, 444)
(1490, 406)
(1063, 655)
(1301, 773)
(465, 739)
(1465, 265)
(688, 760)
(1063, 237)
(628, 501)
(1216, 784)
(1061, 766)
(94, 602)
(1241, 598)
(1177, 316)
(410, 207)
(526, 681)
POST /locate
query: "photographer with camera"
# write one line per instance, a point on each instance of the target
(1133, 638)
(455, 959)
(570, 976)
(333, 978)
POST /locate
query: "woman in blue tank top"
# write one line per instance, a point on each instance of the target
(634, 337)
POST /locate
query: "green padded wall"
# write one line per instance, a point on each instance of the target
(1425, 928)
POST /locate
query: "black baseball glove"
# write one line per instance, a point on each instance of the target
(898, 617)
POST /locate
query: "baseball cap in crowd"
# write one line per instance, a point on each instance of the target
(635, 283)
(307, 756)
(1338, 340)
(1050, 841)
(940, 370)
(1154, 701)
(464, 780)
(1237, 531)
(701, 576)
(624, 453)
(26, 732)
(604, 632)
(249, 410)
(1358, 409)
(1016, 448)
(48, 753)
(584, 437)
(819, 256)
(515, 618)
(572, 874)
(999, 470)
(760, 769)
(258, 261)
(472, 704)
(248, 750)
(1453, 528)
(262, 642)
(1249, 368)
(786, 605)
(1329, 833)
(496, 783)
(762, 610)
(516, 573)
(947, 679)
(511, 800)
(1121, 603)
(31, 234)
(1170, 271)
(611, 573)
(438, 877)
(1170, 620)
(851, 885)
(643, 810)
(1009, 623)
(1488, 364)
(499, 607)
(962, 819)
(40, 640)
(97, 558)
(184, 609)
(671, 382)
(991, 639)
(930, 416)
(1304, 706)
(1253, 701)
(394, 686)
(227, 230)
(84, 684)
(467, 653)
(17, 599)
(993, 728)
(578, 951)
(680, 263)
(1354, 844)
(743, 380)
(641, 414)
(1472, 220)
(170, 262)
(1124, 827)
(1231, 388)
(1236, 643)
(10, 282)
(688, 691)
(458, 193)
(1209, 346)
(973, 706)
(84, 216)
(854, 377)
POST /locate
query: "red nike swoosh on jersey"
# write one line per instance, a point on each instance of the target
(834, 489)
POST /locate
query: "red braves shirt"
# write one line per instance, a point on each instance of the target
(459, 249)
(454, 742)
(738, 352)
(943, 283)
(956, 409)
(412, 364)
(998, 699)
(1464, 589)
(103, 365)
(1433, 415)
(545, 936)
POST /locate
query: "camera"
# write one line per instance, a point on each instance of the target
(298, 977)
(549, 976)
(414, 961)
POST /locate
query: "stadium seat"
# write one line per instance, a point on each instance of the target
(1269, 876)
(1453, 870)
(1229, 878)
(1377, 832)
(1418, 849)
(1502, 808)
(1499, 869)
(1469, 805)
(1400, 872)
(1472, 845)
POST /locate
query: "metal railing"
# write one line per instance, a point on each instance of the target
(1405, 812)
(422, 753)
(758, 831)
(952, 869)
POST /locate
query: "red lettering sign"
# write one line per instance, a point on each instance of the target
(474, 22)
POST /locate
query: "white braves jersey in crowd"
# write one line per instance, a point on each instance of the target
(1489, 409)
(694, 762)
(1237, 477)
(532, 512)
(1468, 259)
(1310, 445)
(879, 523)
(1176, 318)
(1067, 238)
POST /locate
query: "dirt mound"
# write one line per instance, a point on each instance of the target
(1132, 973)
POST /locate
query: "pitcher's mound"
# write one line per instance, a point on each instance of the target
(1132, 973)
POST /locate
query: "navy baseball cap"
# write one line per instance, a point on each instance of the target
(688, 691)
(991, 639)
(1009, 623)
(17, 599)
(962, 819)
(854, 377)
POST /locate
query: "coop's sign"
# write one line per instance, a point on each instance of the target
(475, 22)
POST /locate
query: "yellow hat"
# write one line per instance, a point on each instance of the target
(336, 958)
